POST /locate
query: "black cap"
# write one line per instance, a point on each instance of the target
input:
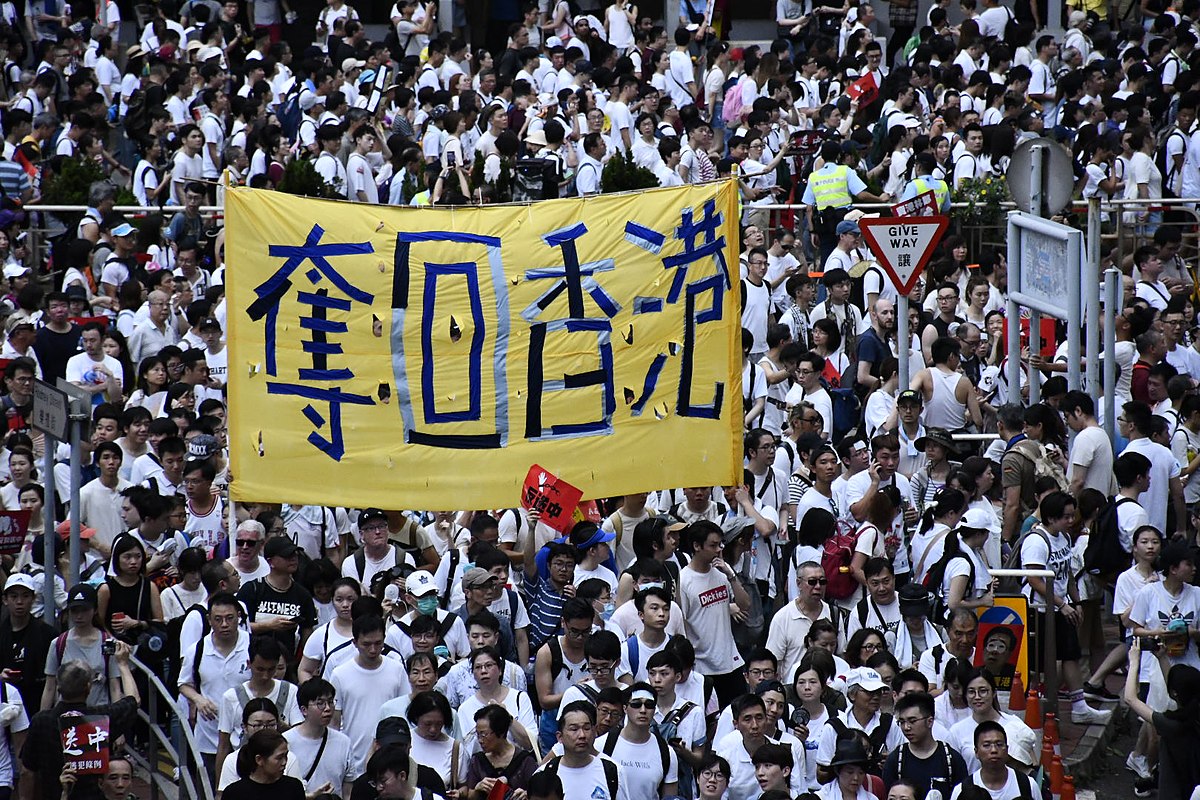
(82, 594)
(370, 515)
(392, 730)
(280, 546)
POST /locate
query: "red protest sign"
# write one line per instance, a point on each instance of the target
(923, 205)
(588, 511)
(13, 527)
(85, 742)
(553, 497)
(864, 90)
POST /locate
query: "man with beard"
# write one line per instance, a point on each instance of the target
(873, 344)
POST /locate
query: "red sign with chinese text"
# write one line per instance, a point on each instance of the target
(551, 496)
(13, 527)
(85, 742)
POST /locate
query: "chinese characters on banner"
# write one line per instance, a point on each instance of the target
(85, 742)
(13, 526)
(553, 498)
(384, 356)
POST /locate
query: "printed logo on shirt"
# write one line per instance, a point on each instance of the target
(719, 594)
(599, 793)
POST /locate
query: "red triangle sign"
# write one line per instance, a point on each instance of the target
(903, 245)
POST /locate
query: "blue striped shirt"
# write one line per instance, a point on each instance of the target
(545, 611)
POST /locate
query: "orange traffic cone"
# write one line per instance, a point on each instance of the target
(1056, 776)
(1068, 789)
(1052, 731)
(1047, 754)
(1016, 697)
(1033, 711)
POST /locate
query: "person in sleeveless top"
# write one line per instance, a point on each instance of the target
(949, 396)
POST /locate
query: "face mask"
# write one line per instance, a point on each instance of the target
(427, 605)
(609, 608)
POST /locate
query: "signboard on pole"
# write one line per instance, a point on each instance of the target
(51, 411)
(553, 497)
(923, 205)
(903, 245)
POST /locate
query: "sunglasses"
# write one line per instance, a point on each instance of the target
(247, 542)
(816, 581)
(641, 704)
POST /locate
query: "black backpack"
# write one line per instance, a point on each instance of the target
(1104, 556)
(535, 179)
(610, 747)
(877, 740)
(610, 773)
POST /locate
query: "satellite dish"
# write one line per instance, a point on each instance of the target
(1058, 176)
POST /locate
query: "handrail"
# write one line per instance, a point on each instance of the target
(184, 775)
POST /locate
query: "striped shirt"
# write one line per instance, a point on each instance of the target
(545, 610)
(14, 179)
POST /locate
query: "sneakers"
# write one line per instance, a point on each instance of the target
(1090, 716)
(1138, 765)
(1097, 692)
(1144, 787)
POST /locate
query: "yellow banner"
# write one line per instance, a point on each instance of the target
(425, 358)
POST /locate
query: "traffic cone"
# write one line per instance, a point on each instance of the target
(1033, 711)
(1016, 697)
(1047, 754)
(1056, 776)
(1068, 789)
(1052, 731)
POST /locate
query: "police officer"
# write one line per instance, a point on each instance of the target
(923, 181)
(830, 191)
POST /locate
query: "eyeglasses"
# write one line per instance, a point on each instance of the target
(247, 542)
(641, 704)
(601, 666)
(910, 721)
(261, 726)
(322, 703)
(761, 673)
(713, 775)
(871, 646)
(979, 692)
(816, 581)
(578, 633)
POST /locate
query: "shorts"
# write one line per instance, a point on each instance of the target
(1066, 639)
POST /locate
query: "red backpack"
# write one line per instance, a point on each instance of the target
(836, 555)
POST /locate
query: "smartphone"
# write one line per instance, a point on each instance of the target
(109, 647)
(1150, 644)
(451, 159)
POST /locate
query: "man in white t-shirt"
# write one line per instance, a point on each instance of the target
(618, 113)
(649, 766)
(1134, 423)
(707, 585)
(681, 75)
(322, 753)
(93, 370)
(360, 177)
(584, 773)
(363, 685)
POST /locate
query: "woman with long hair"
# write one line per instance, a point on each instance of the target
(827, 343)
(869, 537)
(262, 766)
(115, 345)
(260, 714)
(961, 573)
(22, 471)
(151, 386)
(938, 519)
(864, 644)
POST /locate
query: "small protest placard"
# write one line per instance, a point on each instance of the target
(554, 498)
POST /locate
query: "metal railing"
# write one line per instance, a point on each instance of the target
(160, 742)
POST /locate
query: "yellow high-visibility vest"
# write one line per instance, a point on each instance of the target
(831, 189)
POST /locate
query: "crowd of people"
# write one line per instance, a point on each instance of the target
(815, 630)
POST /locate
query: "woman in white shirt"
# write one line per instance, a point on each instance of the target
(429, 713)
(966, 582)
(979, 690)
(487, 665)
(148, 185)
(1143, 181)
(332, 643)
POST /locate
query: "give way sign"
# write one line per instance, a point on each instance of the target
(903, 245)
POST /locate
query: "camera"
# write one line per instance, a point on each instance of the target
(800, 718)
(109, 647)
(1150, 644)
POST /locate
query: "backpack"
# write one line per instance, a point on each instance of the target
(747, 402)
(610, 747)
(1012, 585)
(944, 749)
(610, 773)
(444, 626)
(174, 631)
(731, 108)
(60, 647)
(1042, 463)
(668, 729)
(939, 614)
(289, 113)
(1104, 555)
(877, 740)
(360, 561)
(535, 179)
(1162, 161)
(1022, 785)
(836, 555)
(845, 411)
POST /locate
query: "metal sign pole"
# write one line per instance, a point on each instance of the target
(77, 423)
(903, 341)
(1112, 298)
(1091, 282)
(49, 535)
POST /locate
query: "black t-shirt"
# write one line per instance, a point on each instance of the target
(54, 350)
(286, 788)
(265, 603)
(926, 773)
(1179, 756)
